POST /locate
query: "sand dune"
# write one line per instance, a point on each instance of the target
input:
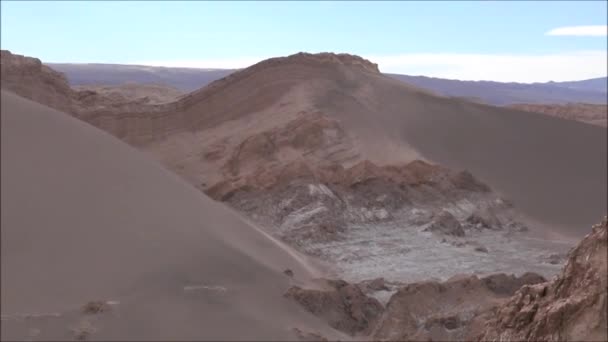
(553, 169)
(87, 218)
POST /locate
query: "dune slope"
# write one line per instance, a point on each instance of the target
(87, 218)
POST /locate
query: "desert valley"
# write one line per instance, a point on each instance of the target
(317, 157)
(305, 197)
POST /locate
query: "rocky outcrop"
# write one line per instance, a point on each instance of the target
(29, 78)
(571, 307)
(134, 92)
(484, 218)
(445, 223)
(419, 311)
(445, 310)
(344, 306)
(499, 307)
(309, 204)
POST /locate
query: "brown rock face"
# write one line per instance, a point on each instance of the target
(29, 78)
(445, 310)
(343, 305)
(570, 308)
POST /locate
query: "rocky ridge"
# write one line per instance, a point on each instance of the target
(419, 311)
(571, 307)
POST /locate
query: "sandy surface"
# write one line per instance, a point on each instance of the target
(87, 218)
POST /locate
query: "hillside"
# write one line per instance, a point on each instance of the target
(320, 166)
(100, 242)
(357, 169)
(583, 112)
(594, 84)
(146, 93)
(387, 122)
(383, 121)
(29, 78)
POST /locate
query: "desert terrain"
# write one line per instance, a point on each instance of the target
(309, 187)
(87, 219)
(595, 114)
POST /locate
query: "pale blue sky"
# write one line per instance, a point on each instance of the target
(447, 39)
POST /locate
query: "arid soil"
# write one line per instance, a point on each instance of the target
(312, 149)
(320, 167)
(594, 114)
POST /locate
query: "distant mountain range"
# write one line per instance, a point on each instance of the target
(495, 93)
(500, 94)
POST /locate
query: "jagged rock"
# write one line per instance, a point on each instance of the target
(570, 308)
(374, 285)
(343, 305)
(485, 219)
(446, 223)
(444, 310)
(507, 284)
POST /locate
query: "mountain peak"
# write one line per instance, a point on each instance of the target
(318, 59)
(329, 58)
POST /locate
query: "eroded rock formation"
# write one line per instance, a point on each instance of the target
(571, 307)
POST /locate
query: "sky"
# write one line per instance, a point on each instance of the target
(507, 41)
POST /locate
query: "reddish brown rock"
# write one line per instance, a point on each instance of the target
(444, 310)
(570, 308)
